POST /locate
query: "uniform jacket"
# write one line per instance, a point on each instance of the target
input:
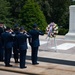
(1, 31)
(14, 39)
(22, 41)
(35, 37)
(7, 39)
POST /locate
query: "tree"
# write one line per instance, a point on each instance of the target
(31, 14)
(60, 12)
(56, 10)
(4, 11)
(46, 8)
(16, 6)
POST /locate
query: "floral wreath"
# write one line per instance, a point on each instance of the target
(52, 29)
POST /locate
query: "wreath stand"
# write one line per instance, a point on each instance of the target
(49, 40)
(52, 30)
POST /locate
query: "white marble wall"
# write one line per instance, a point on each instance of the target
(71, 34)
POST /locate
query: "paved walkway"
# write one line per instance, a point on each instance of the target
(51, 61)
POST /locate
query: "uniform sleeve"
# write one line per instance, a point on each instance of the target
(41, 32)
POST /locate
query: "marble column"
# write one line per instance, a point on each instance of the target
(71, 34)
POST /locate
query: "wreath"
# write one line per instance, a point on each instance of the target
(52, 29)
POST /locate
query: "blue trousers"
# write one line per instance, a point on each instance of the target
(8, 53)
(22, 58)
(34, 55)
(15, 51)
(1, 54)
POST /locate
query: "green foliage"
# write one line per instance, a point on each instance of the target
(31, 14)
(16, 6)
(62, 31)
(60, 12)
(56, 11)
(27, 12)
(46, 8)
(4, 11)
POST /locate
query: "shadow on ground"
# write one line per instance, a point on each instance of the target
(55, 61)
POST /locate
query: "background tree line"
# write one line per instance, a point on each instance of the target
(27, 12)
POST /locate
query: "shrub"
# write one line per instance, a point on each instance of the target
(62, 31)
(31, 14)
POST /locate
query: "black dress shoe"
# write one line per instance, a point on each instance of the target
(17, 62)
(35, 63)
(1, 60)
(8, 65)
(23, 67)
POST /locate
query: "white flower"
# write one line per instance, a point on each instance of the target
(52, 29)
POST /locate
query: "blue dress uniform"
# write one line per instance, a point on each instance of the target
(7, 42)
(15, 47)
(1, 48)
(35, 43)
(22, 44)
